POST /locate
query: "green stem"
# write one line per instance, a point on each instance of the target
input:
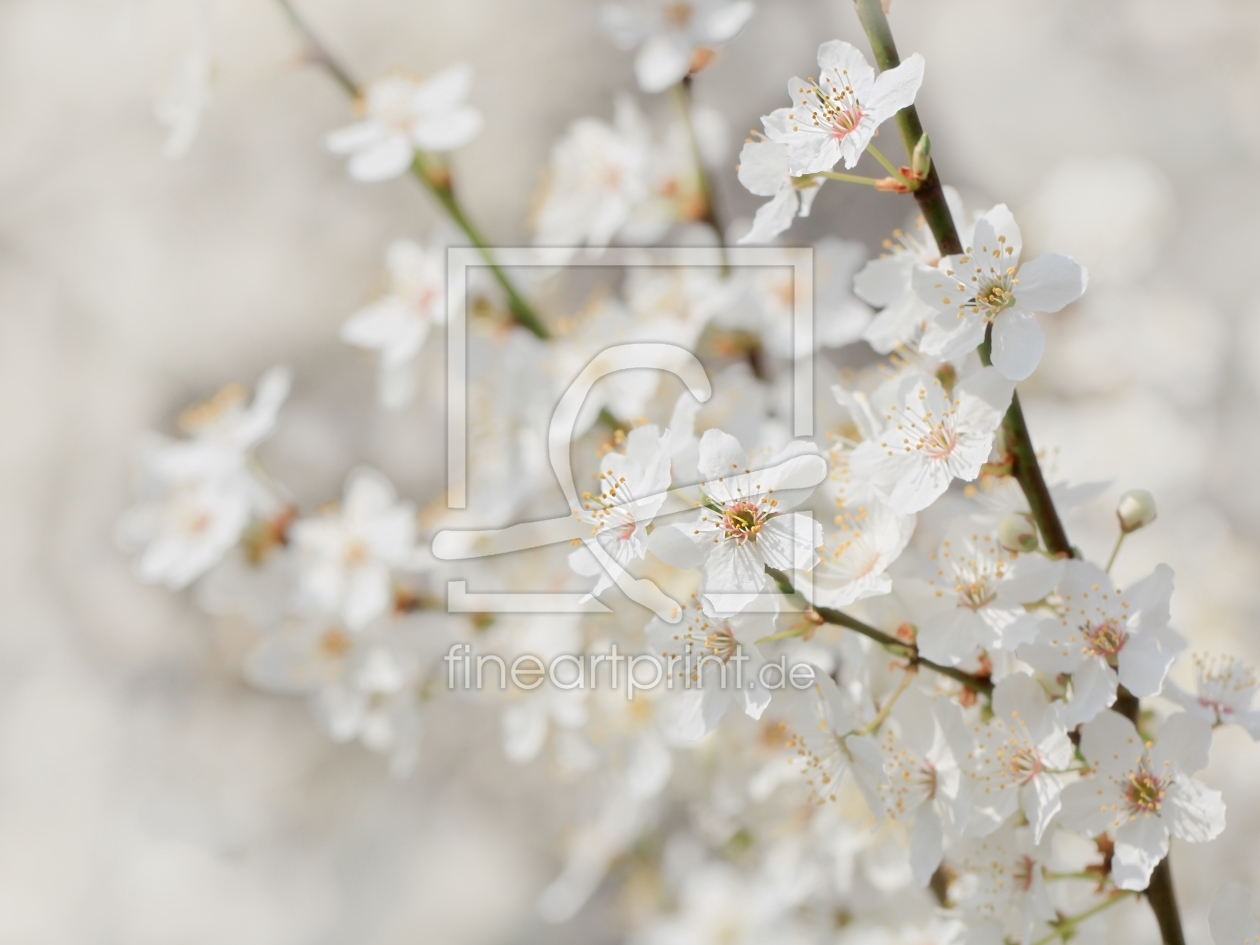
(882, 715)
(908, 651)
(1064, 928)
(437, 184)
(681, 93)
(889, 166)
(1115, 550)
(847, 178)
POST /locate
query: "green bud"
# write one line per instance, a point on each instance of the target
(1018, 533)
(921, 159)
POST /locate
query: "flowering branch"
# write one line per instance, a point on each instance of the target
(977, 684)
(931, 199)
(429, 172)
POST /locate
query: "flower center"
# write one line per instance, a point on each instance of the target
(1104, 639)
(1144, 793)
(1023, 873)
(1024, 765)
(722, 643)
(996, 296)
(742, 521)
(334, 644)
(677, 15)
(975, 594)
(939, 441)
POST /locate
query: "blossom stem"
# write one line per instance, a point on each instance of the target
(435, 179)
(847, 178)
(882, 715)
(977, 684)
(928, 192)
(889, 166)
(931, 199)
(1164, 904)
(682, 98)
(1115, 550)
(1066, 928)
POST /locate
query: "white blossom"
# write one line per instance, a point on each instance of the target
(746, 524)
(986, 285)
(1223, 694)
(397, 324)
(837, 116)
(710, 664)
(977, 592)
(673, 37)
(403, 115)
(349, 554)
(1020, 757)
(930, 438)
(197, 495)
(1106, 637)
(1142, 793)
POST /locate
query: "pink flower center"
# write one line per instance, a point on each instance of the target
(1104, 639)
(742, 520)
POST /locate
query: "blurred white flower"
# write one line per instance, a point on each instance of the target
(987, 285)
(711, 664)
(397, 325)
(837, 118)
(348, 554)
(597, 176)
(403, 115)
(1002, 886)
(1224, 691)
(196, 496)
(673, 37)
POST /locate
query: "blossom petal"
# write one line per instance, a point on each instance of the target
(382, 161)
(1018, 343)
(356, 137)
(1040, 800)
(763, 167)
(1048, 283)
(448, 130)
(722, 23)
(896, 88)
(927, 845)
(1140, 845)
(663, 60)
(1094, 687)
(1193, 811)
(789, 542)
(1184, 740)
(773, 217)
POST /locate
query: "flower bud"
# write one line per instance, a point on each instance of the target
(1017, 533)
(1136, 509)
(921, 159)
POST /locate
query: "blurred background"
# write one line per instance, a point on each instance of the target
(147, 795)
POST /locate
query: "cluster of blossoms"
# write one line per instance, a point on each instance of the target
(968, 719)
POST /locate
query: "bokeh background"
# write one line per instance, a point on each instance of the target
(147, 795)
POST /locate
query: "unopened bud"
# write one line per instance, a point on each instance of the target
(1018, 533)
(921, 159)
(1136, 509)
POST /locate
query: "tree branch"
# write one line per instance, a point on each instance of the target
(931, 199)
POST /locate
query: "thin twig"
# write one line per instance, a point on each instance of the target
(424, 168)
